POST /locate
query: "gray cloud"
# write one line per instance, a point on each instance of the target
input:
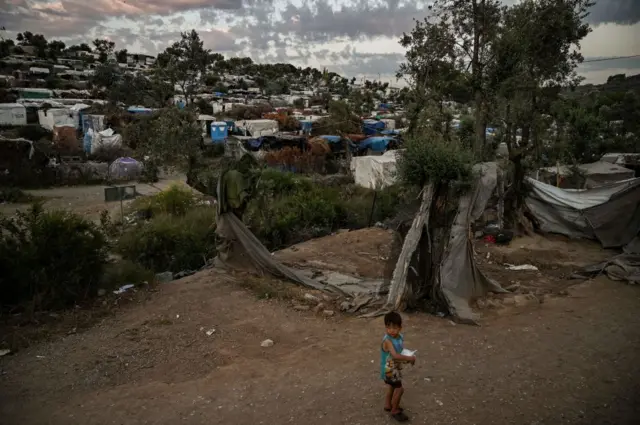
(625, 12)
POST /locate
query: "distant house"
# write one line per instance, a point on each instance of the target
(34, 70)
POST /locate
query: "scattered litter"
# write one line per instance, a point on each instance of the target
(184, 273)
(451, 322)
(406, 352)
(267, 343)
(521, 267)
(211, 332)
(439, 403)
(177, 316)
(123, 289)
(301, 307)
(440, 314)
(40, 357)
(201, 328)
(328, 313)
(4, 352)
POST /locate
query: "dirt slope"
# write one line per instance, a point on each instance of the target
(572, 360)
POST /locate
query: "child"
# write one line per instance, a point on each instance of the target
(391, 365)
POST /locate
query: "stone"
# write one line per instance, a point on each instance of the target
(328, 313)
(267, 343)
(311, 298)
(345, 305)
(164, 277)
(481, 303)
(342, 231)
(301, 307)
(317, 309)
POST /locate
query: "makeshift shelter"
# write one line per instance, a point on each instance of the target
(257, 128)
(56, 117)
(377, 144)
(374, 172)
(125, 169)
(13, 114)
(589, 176)
(609, 214)
(441, 256)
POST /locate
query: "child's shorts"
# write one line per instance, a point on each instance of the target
(394, 384)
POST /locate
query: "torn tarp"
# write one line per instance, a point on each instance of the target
(623, 267)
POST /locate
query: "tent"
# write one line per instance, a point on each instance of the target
(125, 169)
(609, 214)
(596, 174)
(374, 172)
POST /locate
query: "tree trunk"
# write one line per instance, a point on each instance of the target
(399, 293)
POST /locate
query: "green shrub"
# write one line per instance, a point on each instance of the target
(14, 195)
(172, 242)
(429, 158)
(49, 259)
(177, 200)
(124, 272)
(291, 208)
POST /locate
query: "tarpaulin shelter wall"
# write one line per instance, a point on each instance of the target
(609, 214)
(56, 117)
(374, 172)
(599, 173)
(460, 278)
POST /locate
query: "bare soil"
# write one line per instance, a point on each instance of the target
(88, 200)
(569, 360)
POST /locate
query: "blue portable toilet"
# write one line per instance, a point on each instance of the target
(139, 110)
(306, 126)
(219, 131)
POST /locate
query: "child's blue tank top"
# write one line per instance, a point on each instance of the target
(398, 344)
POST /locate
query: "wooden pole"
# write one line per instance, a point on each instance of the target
(398, 288)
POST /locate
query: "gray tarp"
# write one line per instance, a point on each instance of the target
(460, 278)
(609, 214)
(623, 267)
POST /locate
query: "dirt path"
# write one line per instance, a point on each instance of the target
(571, 360)
(87, 200)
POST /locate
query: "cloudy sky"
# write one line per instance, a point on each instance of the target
(351, 37)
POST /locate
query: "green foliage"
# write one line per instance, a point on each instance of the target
(290, 208)
(429, 158)
(176, 200)
(50, 259)
(14, 195)
(170, 242)
(126, 272)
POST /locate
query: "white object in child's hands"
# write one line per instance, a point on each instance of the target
(406, 352)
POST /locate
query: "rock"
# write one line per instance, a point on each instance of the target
(311, 298)
(183, 273)
(345, 306)
(481, 303)
(328, 313)
(317, 309)
(300, 307)
(508, 301)
(342, 231)
(524, 299)
(210, 332)
(102, 292)
(164, 277)
(266, 343)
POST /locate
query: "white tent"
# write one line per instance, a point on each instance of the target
(13, 114)
(375, 171)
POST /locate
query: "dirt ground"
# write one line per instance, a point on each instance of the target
(88, 200)
(570, 360)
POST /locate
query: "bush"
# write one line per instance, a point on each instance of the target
(169, 242)
(49, 259)
(429, 158)
(125, 272)
(14, 195)
(176, 200)
(291, 208)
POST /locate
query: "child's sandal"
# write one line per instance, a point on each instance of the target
(400, 417)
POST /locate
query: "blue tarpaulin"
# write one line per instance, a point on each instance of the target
(139, 110)
(370, 127)
(306, 125)
(376, 144)
(331, 139)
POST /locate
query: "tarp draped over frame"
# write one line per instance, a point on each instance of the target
(609, 214)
